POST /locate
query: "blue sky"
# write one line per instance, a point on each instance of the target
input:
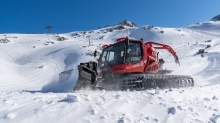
(31, 16)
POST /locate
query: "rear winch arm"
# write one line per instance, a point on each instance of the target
(166, 47)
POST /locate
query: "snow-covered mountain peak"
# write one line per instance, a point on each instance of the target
(127, 23)
(216, 18)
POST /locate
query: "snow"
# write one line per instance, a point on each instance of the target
(31, 90)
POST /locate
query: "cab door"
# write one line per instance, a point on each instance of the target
(134, 57)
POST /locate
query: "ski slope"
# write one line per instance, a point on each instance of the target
(30, 90)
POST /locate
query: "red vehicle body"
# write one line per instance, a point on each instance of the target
(148, 63)
(130, 63)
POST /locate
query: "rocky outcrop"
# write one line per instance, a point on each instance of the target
(62, 39)
(5, 41)
(216, 18)
(127, 23)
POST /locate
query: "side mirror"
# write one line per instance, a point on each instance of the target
(126, 42)
(95, 53)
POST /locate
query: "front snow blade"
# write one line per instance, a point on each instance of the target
(87, 76)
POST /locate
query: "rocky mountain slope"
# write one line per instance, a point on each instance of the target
(216, 18)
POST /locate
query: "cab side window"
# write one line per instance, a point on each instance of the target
(134, 52)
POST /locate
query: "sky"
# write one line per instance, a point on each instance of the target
(32, 16)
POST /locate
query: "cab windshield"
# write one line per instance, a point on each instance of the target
(112, 55)
(115, 54)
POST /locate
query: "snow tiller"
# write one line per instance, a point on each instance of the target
(130, 64)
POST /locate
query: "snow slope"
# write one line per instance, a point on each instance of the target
(30, 90)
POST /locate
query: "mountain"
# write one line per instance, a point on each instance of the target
(127, 23)
(30, 90)
(216, 18)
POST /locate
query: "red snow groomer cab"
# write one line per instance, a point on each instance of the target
(130, 64)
